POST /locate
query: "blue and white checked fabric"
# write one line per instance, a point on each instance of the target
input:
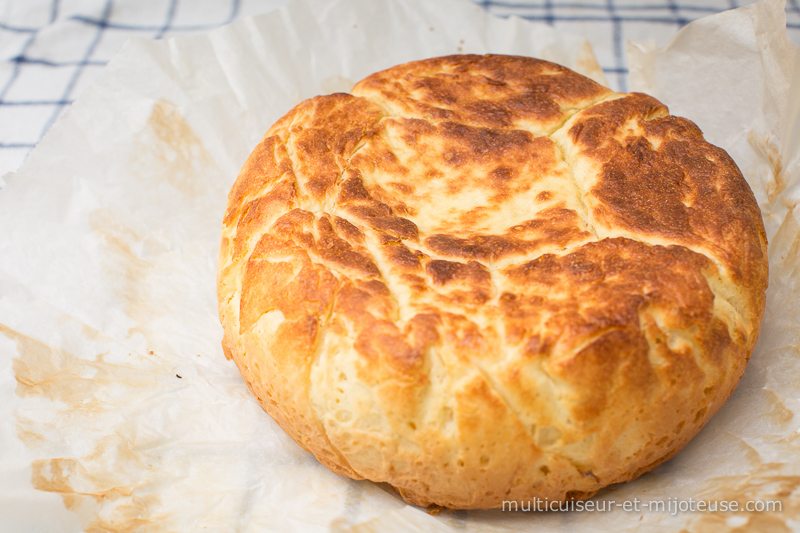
(50, 50)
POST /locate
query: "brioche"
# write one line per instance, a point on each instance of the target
(488, 278)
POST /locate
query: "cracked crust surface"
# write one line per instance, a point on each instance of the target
(488, 278)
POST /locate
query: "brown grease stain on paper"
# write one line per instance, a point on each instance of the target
(767, 149)
(126, 267)
(779, 415)
(169, 148)
(109, 486)
(114, 501)
(76, 387)
(759, 487)
(165, 152)
(51, 372)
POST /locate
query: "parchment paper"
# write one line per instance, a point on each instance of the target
(118, 410)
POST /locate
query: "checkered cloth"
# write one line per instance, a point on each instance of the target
(50, 50)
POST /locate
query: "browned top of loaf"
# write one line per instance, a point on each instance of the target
(497, 234)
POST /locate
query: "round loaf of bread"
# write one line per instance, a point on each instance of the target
(488, 278)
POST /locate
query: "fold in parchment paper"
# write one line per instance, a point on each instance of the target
(118, 410)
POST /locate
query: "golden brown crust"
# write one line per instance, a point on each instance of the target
(487, 278)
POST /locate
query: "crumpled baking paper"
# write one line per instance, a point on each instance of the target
(118, 410)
